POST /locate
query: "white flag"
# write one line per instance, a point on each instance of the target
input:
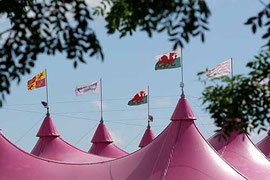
(221, 69)
(265, 81)
(88, 89)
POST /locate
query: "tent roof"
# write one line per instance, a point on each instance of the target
(242, 154)
(147, 137)
(179, 151)
(264, 146)
(48, 128)
(51, 146)
(102, 135)
(103, 144)
(184, 113)
(107, 150)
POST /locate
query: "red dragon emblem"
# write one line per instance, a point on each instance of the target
(165, 62)
(138, 98)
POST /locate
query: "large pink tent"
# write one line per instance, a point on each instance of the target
(264, 145)
(51, 146)
(242, 154)
(103, 144)
(148, 137)
(179, 152)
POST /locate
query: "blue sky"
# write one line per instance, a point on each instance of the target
(128, 68)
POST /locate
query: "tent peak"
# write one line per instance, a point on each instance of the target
(183, 111)
(102, 135)
(48, 128)
(147, 137)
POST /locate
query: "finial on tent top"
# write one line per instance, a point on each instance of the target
(148, 125)
(182, 88)
(150, 119)
(101, 120)
(45, 105)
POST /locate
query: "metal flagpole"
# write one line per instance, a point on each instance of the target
(182, 75)
(47, 92)
(101, 110)
(148, 125)
(231, 67)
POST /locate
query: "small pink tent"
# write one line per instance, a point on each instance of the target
(264, 145)
(147, 137)
(243, 155)
(51, 146)
(103, 144)
(179, 152)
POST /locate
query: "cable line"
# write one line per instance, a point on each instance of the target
(130, 142)
(36, 123)
(84, 135)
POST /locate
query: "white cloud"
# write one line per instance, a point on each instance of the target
(163, 102)
(98, 104)
(117, 137)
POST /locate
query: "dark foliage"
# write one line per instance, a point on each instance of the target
(44, 27)
(241, 103)
(182, 19)
(261, 20)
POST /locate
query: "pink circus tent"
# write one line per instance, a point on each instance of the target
(264, 145)
(51, 146)
(147, 137)
(103, 144)
(179, 152)
(243, 155)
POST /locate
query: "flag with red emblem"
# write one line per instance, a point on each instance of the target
(139, 98)
(168, 60)
(37, 82)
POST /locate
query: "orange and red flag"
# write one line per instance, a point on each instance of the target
(37, 82)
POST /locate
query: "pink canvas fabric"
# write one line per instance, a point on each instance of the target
(102, 135)
(47, 128)
(179, 152)
(103, 144)
(264, 145)
(148, 137)
(51, 146)
(243, 155)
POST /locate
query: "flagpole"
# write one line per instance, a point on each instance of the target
(231, 67)
(182, 75)
(101, 110)
(148, 125)
(47, 92)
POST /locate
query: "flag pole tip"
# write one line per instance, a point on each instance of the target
(101, 120)
(46, 105)
(182, 88)
(48, 113)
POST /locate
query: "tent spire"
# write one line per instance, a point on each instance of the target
(47, 128)
(148, 137)
(102, 135)
(183, 111)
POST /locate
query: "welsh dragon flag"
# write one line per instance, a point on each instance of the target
(139, 98)
(169, 60)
